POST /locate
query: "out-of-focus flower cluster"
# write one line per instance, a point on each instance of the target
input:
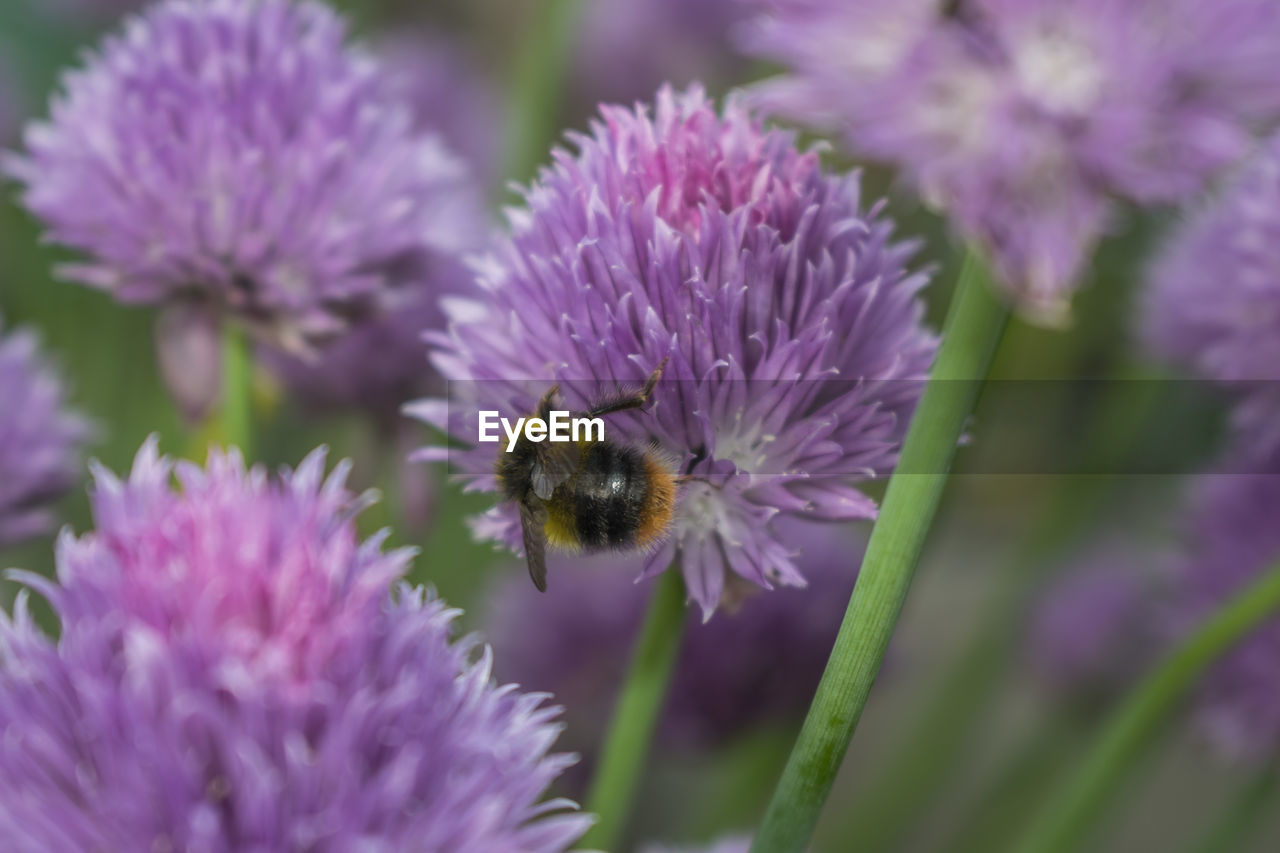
(1233, 537)
(234, 672)
(1025, 119)
(40, 438)
(1096, 628)
(381, 363)
(1213, 304)
(787, 313)
(237, 157)
(627, 49)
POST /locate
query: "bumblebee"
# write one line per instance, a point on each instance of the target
(588, 495)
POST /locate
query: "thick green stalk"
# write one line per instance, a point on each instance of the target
(974, 327)
(1251, 803)
(1065, 820)
(235, 409)
(534, 111)
(627, 744)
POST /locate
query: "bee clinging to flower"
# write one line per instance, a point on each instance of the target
(789, 311)
(588, 495)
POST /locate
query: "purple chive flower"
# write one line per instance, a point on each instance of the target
(1096, 627)
(787, 313)
(1233, 536)
(40, 439)
(379, 364)
(625, 50)
(1213, 303)
(1025, 120)
(238, 156)
(756, 665)
(233, 672)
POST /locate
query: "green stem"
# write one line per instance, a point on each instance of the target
(627, 744)
(540, 73)
(235, 423)
(1232, 828)
(974, 327)
(1134, 726)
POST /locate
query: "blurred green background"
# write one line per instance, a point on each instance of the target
(998, 538)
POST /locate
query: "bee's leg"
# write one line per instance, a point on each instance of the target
(694, 478)
(544, 405)
(631, 401)
(652, 381)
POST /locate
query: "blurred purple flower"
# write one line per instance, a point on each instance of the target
(1025, 119)
(381, 362)
(1233, 536)
(756, 665)
(1096, 627)
(626, 49)
(40, 439)
(232, 673)
(1213, 303)
(448, 94)
(788, 314)
(238, 155)
(11, 111)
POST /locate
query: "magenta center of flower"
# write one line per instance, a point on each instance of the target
(265, 592)
(703, 163)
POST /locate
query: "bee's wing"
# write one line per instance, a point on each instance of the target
(553, 464)
(533, 523)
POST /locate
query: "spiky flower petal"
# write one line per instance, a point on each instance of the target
(234, 673)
